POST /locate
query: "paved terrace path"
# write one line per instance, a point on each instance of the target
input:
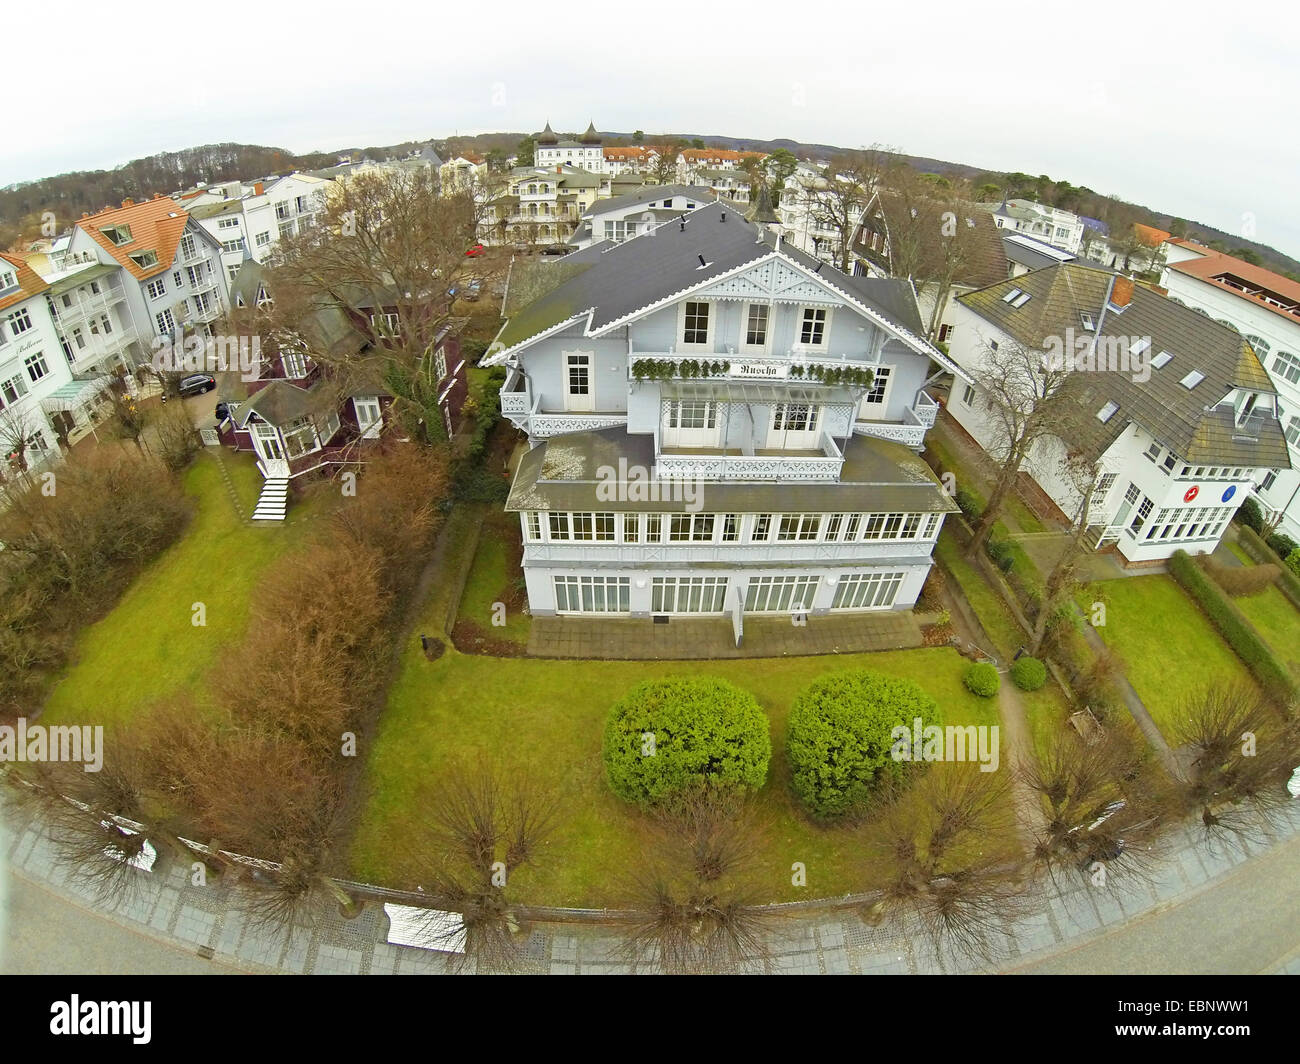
(1226, 911)
(688, 639)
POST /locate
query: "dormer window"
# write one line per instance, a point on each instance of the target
(144, 259)
(118, 234)
(8, 280)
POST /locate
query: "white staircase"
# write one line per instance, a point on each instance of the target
(274, 500)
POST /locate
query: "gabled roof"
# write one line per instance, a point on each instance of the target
(607, 286)
(156, 225)
(30, 283)
(1183, 419)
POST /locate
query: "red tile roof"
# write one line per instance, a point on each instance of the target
(156, 225)
(1213, 266)
(30, 283)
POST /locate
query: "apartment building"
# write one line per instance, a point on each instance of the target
(1175, 449)
(719, 425)
(1265, 308)
(1051, 225)
(621, 218)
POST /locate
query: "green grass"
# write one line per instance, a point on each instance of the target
(147, 648)
(1277, 621)
(992, 612)
(490, 577)
(548, 716)
(1047, 711)
(1171, 651)
(1241, 555)
(1018, 516)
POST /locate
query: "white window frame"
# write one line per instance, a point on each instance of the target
(874, 589)
(823, 340)
(710, 325)
(756, 348)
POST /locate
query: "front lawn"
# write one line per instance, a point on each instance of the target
(988, 605)
(1171, 651)
(549, 715)
(1277, 622)
(147, 648)
(494, 578)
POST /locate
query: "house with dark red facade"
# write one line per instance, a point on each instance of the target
(302, 414)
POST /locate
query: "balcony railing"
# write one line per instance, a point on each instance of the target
(739, 553)
(910, 432)
(84, 306)
(824, 463)
(194, 253)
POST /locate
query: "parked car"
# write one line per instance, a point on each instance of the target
(476, 251)
(556, 249)
(196, 384)
(222, 411)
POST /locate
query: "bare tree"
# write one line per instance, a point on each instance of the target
(482, 825)
(695, 903)
(1026, 397)
(1237, 754)
(851, 181)
(17, 426)
(664, 166)
(934, 841)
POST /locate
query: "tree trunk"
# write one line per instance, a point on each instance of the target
(1001, 489)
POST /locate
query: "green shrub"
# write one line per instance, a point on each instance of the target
(1250, 515)
(1029, 674)
(670, 739)
(1281, 545)
(1240, 580)
(981, 678)
(1002, 553)
(839, 737)
(1288, 582)
(1236, 630)
(970, 504)
(1293, 562)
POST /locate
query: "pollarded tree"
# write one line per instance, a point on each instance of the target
(840, 737)
(670, 739)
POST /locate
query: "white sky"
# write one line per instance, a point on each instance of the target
(1184, 110)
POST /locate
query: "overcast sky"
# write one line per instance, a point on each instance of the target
(1185, 112)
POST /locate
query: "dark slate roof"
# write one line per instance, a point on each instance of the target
(1030, 253)
(610, 284)
(561, 474)
(1183, 419)
(280, 403)
(979, 260)
(247, 281)
(648, 194)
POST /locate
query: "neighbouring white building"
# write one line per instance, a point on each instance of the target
(1176, 453)
(624, 217)
(1265, 308)
(172, 276)
(540, 205)
(39, 399)
(586, 153)
(719, 425)
(1052, 225)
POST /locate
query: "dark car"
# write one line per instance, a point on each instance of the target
(196, 384)
(222, 411)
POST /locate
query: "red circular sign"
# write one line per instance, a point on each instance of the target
(1191, 493)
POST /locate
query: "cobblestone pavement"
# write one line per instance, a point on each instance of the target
(201, 922)
(688, 639)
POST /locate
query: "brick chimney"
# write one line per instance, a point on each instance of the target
(257, 188)
(128, 202)
(1121, 294)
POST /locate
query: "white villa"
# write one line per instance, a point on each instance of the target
(1175, 453)
(719, 425)
(1265, 308)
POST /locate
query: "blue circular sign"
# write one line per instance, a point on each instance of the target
(1229, 492)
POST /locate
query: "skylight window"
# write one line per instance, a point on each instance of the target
(1021, 300)
(1139, 345)
(1192, 379)
(1162, 359)
(1011, 295)
(1087, 321)
(1107, 412)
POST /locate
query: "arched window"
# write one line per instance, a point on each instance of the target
(1259, 344)
(1287, 365)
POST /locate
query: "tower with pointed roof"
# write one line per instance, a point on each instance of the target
(547, 135)
(591, 136)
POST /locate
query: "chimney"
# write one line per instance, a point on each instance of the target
(128, 203)
(1121, 294)
(257, 188)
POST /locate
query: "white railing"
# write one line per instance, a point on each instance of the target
(516, 399)
(926, 409)
(740, 553)
(541, 426)
(83, 306)
(824, 466)
(908, 434)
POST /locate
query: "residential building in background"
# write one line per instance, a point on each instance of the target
(1265, 308)
(1168, 458)
(713, 358)
(1052, 225)
(586, 153)
(624, 217)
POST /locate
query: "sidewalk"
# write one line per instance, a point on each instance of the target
(199, 920)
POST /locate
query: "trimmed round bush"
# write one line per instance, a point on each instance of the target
(840, 737)
(1029, 674)
(982, 679)
(670, 739)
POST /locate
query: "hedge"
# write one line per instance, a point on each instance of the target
(839, 737)
(981, 678)
(668, 739)
(1029, 674)
(1287, 581)
(1236, 630)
